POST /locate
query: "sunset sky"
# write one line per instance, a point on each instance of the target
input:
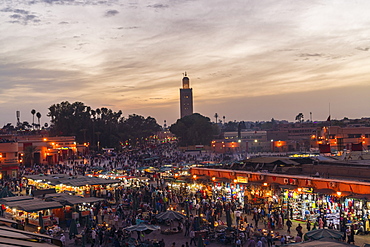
(246, 60)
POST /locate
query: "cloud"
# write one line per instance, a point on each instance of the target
(111, 13)
(158, 6)
(22, 16)
(310, 55)
(362, 48)
(16, 16)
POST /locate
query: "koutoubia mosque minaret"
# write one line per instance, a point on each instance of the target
(186, 97)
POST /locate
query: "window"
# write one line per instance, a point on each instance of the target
(354, 135)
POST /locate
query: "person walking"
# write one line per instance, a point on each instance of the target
(93, 237)
(192, 237)
(187, 227)
(299, 230)
(256, 219)
(63, 240)
(308, 225)
(289, 225)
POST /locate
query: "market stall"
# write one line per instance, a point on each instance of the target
(29, 210)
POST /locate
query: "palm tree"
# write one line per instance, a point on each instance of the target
(33, 112)
(299, 117)
(216, 116)
(38, 115)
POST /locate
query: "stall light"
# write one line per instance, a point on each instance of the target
(339, 193)
(213, 178)
(45, 139)
(195, 176)
(299, 189)
(265, 184)
(235, 180)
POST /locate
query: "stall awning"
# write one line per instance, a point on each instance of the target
(66, 199)
(56, 179)
(17, 242)
(33, 205)
(15, 199)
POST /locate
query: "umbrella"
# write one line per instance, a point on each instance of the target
(228, 218)
(73, 229)
(142, 227)
(322, 242)
(323, 233)
(170, 215)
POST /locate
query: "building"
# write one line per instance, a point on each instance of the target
(9, 164)
(48, 150)
(339, 139)
(186, 98)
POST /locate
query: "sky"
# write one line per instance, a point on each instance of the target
(250, 60)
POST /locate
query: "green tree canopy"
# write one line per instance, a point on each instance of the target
(101, 125)
(193, 130)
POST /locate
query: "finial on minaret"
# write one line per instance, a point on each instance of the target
(185, 74)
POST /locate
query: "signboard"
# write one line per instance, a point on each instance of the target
(243, 180)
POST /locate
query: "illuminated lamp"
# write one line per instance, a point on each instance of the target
(339, 193)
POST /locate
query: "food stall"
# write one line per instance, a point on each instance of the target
(80, 185)
(30, 209)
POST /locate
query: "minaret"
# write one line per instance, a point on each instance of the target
(186, 98)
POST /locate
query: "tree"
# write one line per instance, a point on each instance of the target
(299, 117)
(33, 112)
(230, 126)
(84, 122)
(137, 128)
(193, 129)
(216, 116)
(38, 115)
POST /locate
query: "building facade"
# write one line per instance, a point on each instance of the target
(48, 150)
(9, 164)
(186, 98)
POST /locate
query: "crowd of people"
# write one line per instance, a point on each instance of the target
(251, 225)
